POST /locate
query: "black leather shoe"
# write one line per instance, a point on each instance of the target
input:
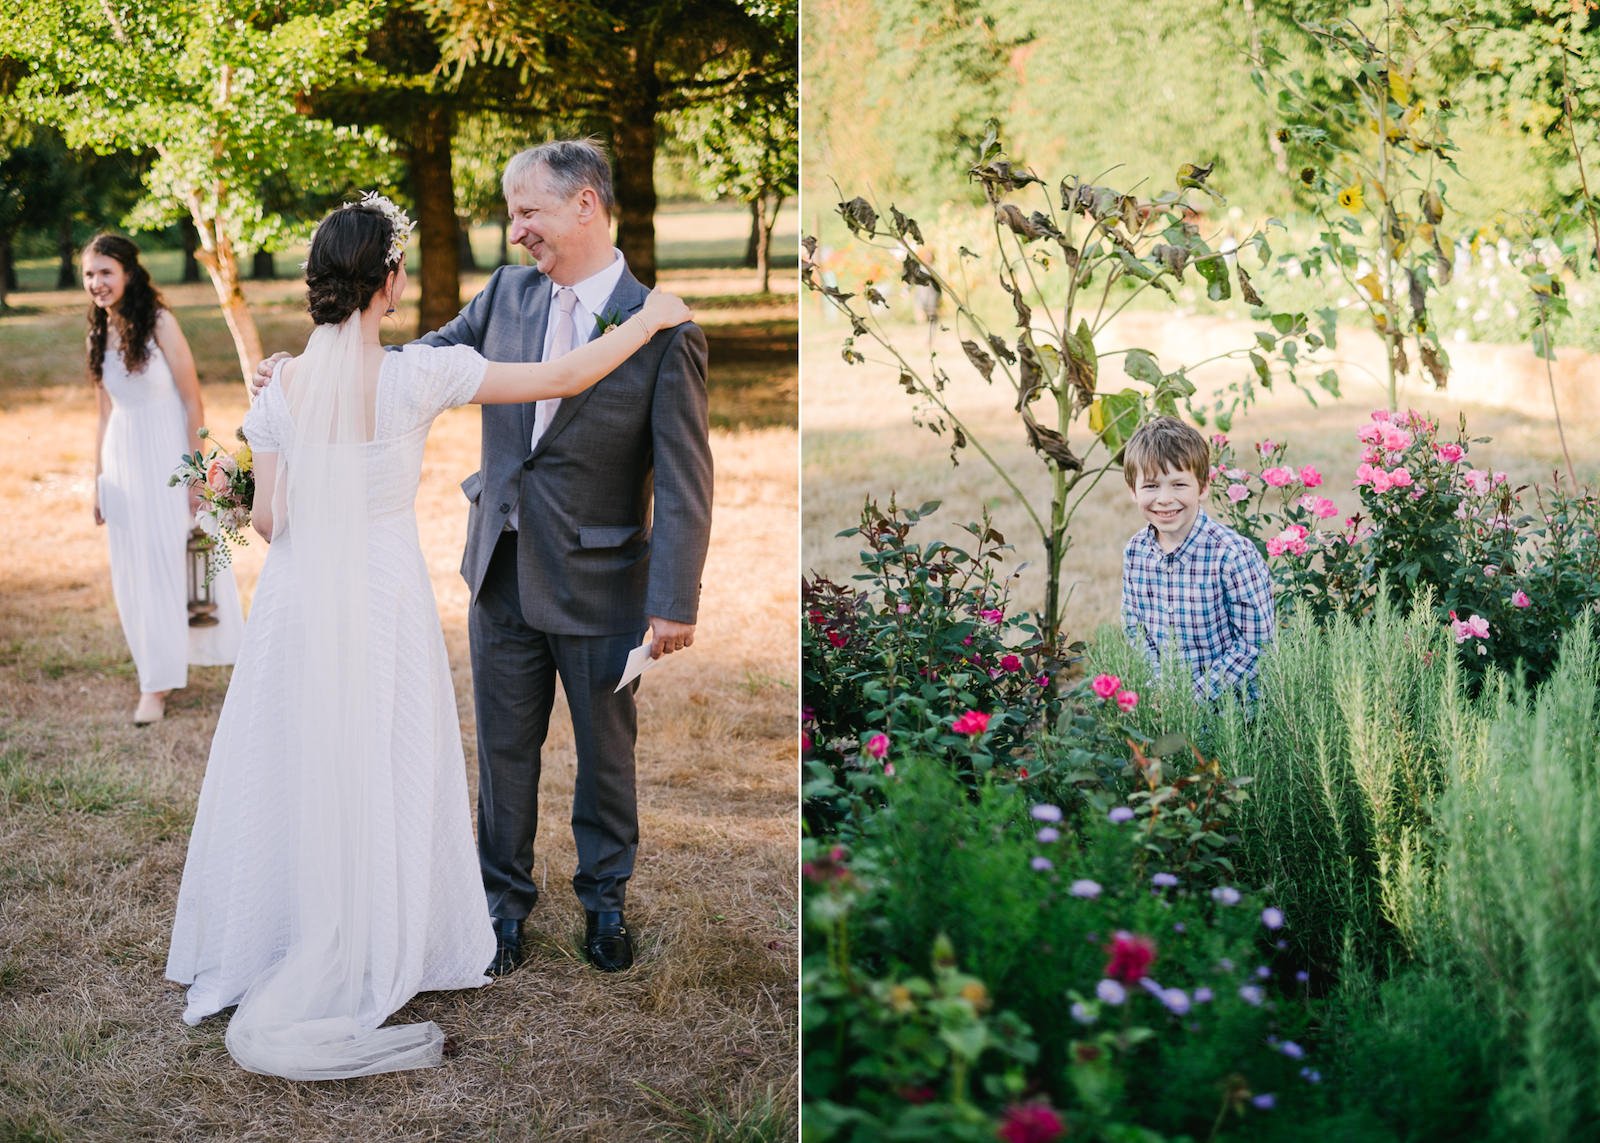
(607, 942)
(508, 952)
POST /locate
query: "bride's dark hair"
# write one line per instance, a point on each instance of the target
(348, 262)
(135, 314)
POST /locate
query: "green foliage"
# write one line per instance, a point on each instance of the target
(928, 640)
(212, 91)
(1518, 898)
(1372, 152)
(1433, 525)
(1064, 272)
(1345, 748)
(891, 1050)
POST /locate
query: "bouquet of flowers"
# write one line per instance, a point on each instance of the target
(226, 482)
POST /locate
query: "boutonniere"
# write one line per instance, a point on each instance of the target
(608, 320)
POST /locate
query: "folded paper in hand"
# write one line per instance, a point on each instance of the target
(639, 661)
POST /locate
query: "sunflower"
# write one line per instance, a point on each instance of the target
(1350, 198)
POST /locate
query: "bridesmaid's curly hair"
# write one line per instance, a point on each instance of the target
(135, 315)
(348, 262)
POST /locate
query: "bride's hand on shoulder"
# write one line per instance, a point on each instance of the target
(663, 310)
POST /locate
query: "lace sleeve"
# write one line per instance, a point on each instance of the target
(266, 425)
(435, 379)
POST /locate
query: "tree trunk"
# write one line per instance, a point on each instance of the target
(505, 243)
(752, 246)
(8, 269)
(465, 258)
(428, 158)
(261, 267)
(191, 243)
(769, 218)
(217, 256)
(67, 268)
(633, 136)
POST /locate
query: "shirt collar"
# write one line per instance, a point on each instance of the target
(595, 290)
(1202, 523)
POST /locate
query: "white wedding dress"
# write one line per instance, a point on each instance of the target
(147, 529)
(389, 844)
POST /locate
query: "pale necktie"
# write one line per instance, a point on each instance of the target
(562, 341)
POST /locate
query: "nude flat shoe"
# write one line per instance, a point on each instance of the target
(152, 708)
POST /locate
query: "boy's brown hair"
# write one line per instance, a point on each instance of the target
(1164, 443)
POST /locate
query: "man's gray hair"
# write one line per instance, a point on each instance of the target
(572, 164)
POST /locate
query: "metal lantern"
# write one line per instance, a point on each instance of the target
(201, 605)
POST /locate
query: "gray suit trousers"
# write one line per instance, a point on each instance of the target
(514, 672)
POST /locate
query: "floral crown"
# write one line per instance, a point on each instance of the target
(397, 218)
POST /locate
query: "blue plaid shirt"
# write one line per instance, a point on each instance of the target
(1212, 597)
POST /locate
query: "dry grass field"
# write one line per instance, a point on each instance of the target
(859, 440)
(698, 1042)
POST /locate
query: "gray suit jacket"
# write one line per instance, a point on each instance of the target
(592, 559)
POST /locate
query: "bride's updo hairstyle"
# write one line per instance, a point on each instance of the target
(349, 261)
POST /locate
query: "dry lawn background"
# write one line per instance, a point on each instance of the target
(699, 1041)
(859, 441)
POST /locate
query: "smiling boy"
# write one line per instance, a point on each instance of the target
(1186, 579)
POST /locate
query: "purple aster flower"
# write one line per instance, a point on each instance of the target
(1302, 976)
(1047, 834)
(1225, 964)
(1203, 995)
(1040, 864)
(1176, 1001)
(1266, 1101)
(1046, 813)
(1293, 1050)
(1081, 1013)
(1164, 880)
(1178, 926)
(1119, 814)
(1083, 887)
(1272, 918)
(1225, 895)
(1252, 995)
(1111, 991)
(1311, 1075)
(1263, 972)
(1150, 985)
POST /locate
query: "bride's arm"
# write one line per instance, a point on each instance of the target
(512, 383)
(266, 470)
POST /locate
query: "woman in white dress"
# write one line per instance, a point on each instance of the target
(331, 873)
(150, 412)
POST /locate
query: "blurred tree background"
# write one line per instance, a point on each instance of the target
(227, 127)
(896, 94)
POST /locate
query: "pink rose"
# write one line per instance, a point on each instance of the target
(1219, 440)
(877, 745)
(1127, 700)
(1010, 663)
(1519, 598)
(1310, 477)
(1105, 685)
(1368, 434)
(1266, 447)
(1319, 506)
(805, 742)
(974, 722)
(1278, 476)
(1477, 627)
(1380, 414)
(1395, 438)
(217, 477)
(1400, 477)
(1477, 480)
(992, 615)
(1449, 453)
(1238, 492)
(1275, 547)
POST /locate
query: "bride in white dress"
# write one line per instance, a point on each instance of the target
(331, 874)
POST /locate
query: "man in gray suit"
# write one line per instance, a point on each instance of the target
(567, 562)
